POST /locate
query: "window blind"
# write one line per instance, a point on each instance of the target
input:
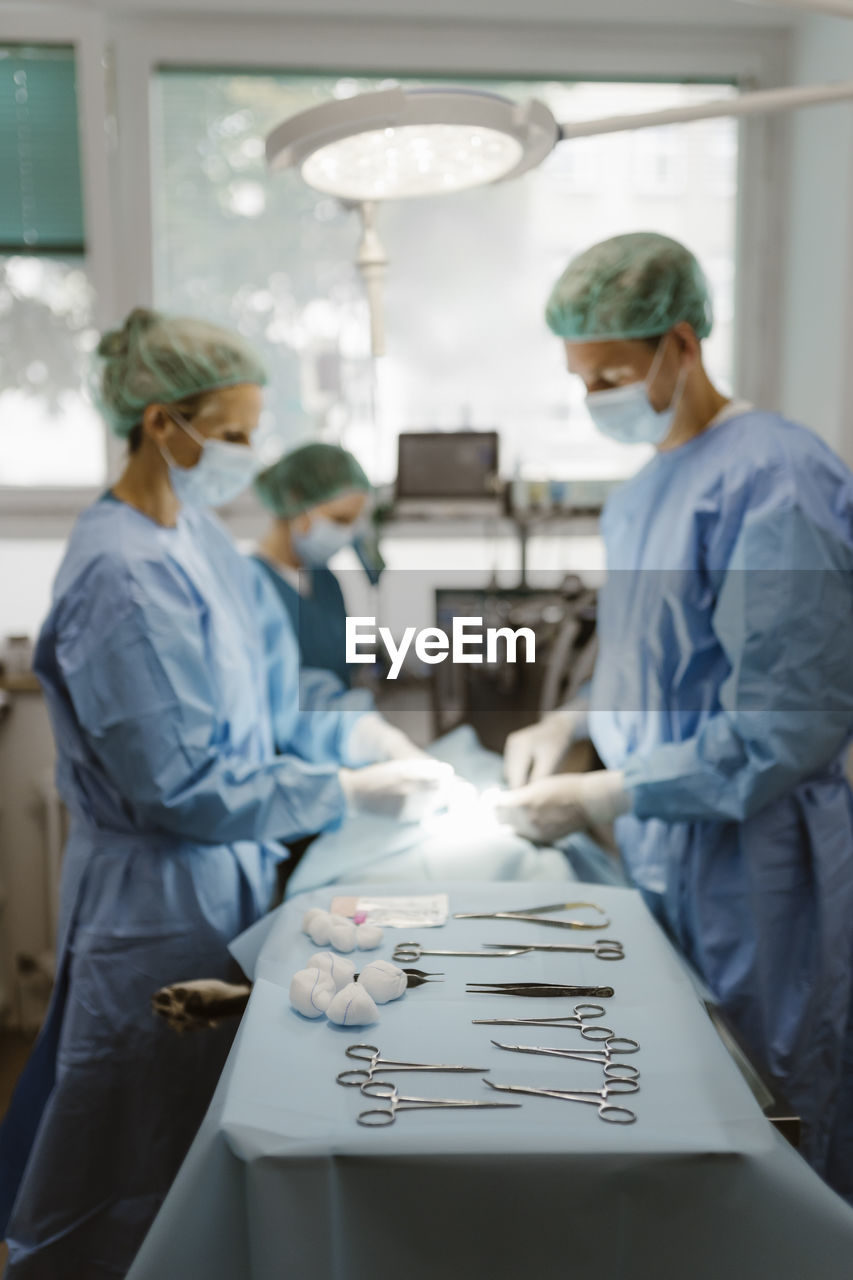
(41, 204)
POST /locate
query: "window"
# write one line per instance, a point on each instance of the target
(468, 277)
(660, 161)
(51, 435)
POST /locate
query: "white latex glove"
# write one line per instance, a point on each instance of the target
(536, 751)
(405, 789)
(374, 739)
(551, 808)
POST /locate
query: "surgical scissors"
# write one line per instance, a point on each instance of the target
(533, 914)
(578, 1020)
(384, 1089)
(621, 1070)
(608, 1111)
(370, 1054)
(407, 951)
(601, 948)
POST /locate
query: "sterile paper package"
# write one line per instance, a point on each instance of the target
(424, 911)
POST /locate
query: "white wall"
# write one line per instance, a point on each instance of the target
(817, 383)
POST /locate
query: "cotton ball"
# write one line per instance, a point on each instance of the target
(368, 936)
(342, 936)
(383, 980)
(310, 916)
(319, 929)
(339, 969)
(352, 1007)
(311, 992)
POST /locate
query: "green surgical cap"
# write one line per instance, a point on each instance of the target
(307, 477)
(156, 358)
(632, 286)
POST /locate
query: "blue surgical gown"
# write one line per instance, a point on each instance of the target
(187, 752)
(319, 617)
(724, 690)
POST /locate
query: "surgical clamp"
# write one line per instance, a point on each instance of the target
(621, 1070)
(387, 1091)
(370, 1054)
(608, 1111)
(582, 1015)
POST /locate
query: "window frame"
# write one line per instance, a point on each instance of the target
(47, 511)
(118, 192)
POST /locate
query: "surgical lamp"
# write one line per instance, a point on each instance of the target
(400, 143)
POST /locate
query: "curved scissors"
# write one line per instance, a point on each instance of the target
(612, 1070)
(379, 1116)
(369, 1053)
(601, 948)
(608, 1111)
(582, 1014)
(533, 914)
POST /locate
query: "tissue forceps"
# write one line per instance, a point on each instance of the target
(538, 989)
(601, 948)
(534, 914)
(379, 1116)
(608, 1111)
(370, 1054)
(612, 1070)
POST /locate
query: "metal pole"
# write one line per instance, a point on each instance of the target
(747, 104)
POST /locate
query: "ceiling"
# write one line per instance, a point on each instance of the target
(725, 13)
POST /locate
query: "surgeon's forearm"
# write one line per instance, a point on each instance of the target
(724, 774)
(218, 801)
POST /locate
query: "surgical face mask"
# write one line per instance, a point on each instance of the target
(321, 541)
(626, 414)
(222, 472)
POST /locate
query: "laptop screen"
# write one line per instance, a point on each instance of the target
(447, 464)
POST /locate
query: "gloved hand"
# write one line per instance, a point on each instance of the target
(535, 752)
(373, 739)
(408, 790)
(548, 810)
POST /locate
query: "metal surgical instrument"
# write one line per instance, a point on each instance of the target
(608, 1111)
(581, 1016)
(533, 914)
(535, 989)
(620, 1070)
(406, 951)
(416, 977)
(602, 948)
(383, 1089)
(370, 1054)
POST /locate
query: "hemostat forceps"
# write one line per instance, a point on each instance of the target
(608, 1111)
(620, 1070)
(369, 1054)
(582, 1015)
(534, 914)
(379, 1116)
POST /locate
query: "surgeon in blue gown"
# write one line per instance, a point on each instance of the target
(317, 495)
(722, 700)
(188, 755)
